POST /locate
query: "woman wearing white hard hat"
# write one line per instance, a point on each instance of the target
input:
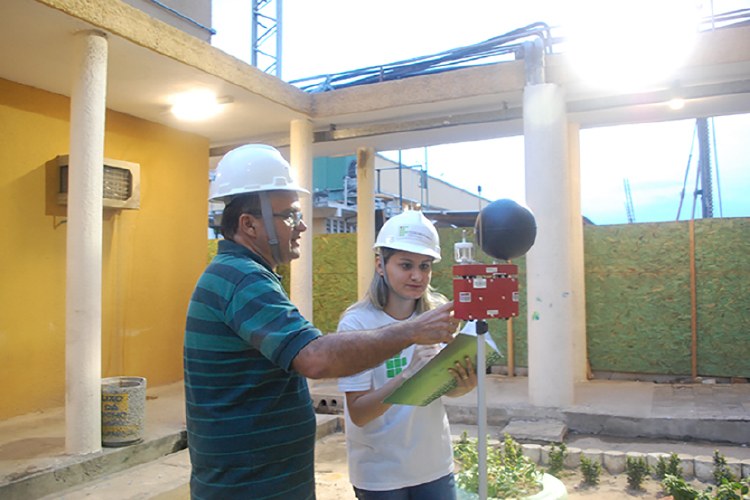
(398, 451)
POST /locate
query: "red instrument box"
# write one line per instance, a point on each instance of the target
(485, 291)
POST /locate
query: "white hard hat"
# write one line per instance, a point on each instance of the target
(410, 231)
(250, 169)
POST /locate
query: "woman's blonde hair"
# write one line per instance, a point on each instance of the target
(377, 293)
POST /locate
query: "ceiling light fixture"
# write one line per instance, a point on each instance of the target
(676, 103)
(196, 105)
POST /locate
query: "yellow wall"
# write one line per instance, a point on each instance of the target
(151, 256)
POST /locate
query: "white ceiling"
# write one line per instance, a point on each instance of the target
(149, 61)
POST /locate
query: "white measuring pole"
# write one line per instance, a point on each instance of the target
(482, 408)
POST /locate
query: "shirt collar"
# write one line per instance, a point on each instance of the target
(229, 246)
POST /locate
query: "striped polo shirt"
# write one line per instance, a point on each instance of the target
(250, 421)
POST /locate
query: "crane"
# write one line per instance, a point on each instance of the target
(266, 36)
(628, 201)
(707, 162)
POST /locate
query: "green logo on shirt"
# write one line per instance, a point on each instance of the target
(395, 365)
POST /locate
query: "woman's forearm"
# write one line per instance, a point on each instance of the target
(366, 406)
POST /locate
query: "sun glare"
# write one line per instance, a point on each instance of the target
(627, 44)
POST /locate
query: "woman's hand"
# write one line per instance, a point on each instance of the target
(466, 378)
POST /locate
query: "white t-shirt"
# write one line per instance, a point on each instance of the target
(407, 445)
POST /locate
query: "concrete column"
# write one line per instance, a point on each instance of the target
(550, 263)
(580, 354)
(83, 299)
(301, 160)
(365, 219)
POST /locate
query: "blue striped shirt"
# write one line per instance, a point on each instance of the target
(250, 422)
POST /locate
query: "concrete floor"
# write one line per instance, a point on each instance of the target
(614, 415)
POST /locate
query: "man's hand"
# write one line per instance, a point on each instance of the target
(421, 356)
(435, 326)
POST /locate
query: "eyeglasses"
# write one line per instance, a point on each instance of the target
(291, 218)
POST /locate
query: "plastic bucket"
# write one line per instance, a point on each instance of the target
(123, 410)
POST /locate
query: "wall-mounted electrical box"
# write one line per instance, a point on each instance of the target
(122, 183)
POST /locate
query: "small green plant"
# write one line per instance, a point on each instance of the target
(510, 474)
(721, 471)
(557, 454)
(732, 490)
(637, 469)
(678, 489)
(591, 470)
(512, 451)
(669, 466)
(465, 450)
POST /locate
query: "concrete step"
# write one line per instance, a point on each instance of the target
(68, 472)
(163, 478)
(536, 431)
(153, 467)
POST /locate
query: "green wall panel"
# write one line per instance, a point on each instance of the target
(334, 278)
(638, 304)
(722, 248)
(638, 298)
(213, 246)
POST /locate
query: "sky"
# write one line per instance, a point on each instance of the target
(331, 36)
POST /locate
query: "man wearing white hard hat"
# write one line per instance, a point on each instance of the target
(248, 350)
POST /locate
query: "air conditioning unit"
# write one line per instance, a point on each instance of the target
(122, 183)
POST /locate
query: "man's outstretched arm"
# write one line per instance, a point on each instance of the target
(340, 355)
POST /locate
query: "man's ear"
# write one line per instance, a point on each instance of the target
(247, 224)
